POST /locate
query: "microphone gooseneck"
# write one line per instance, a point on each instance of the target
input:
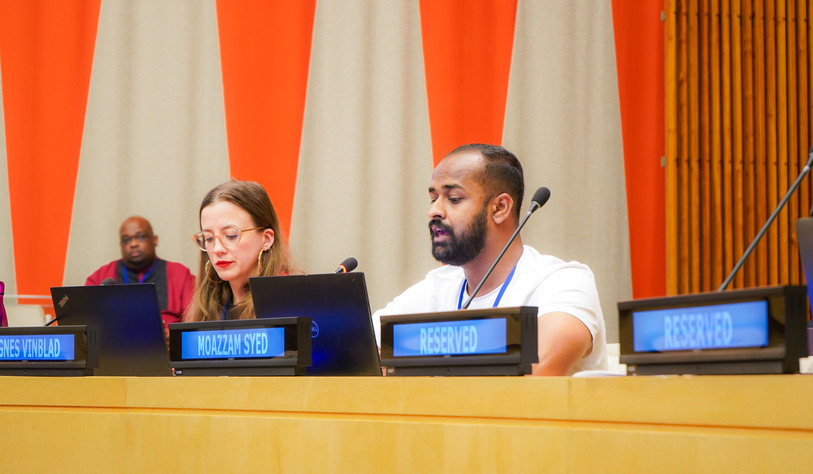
(541, 196)
(770, 220)
(348, 265)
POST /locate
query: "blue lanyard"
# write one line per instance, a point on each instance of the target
(225, 310)
(499, 295)
(144, 277)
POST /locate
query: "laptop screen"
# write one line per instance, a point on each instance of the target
(128, 322)
(804, 236)
(343, 342)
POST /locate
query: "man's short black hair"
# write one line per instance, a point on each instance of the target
(502, 172)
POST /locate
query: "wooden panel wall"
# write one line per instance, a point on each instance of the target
(738, 133)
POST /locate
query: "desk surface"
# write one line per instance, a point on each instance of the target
(391, 424)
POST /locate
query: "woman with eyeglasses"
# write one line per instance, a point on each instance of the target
(240, 238)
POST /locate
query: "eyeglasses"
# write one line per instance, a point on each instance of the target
(229, 238)
(126, 239)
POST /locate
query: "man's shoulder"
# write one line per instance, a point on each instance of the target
(107, 270)
(177, 266)
(178, 273)
(445, 273)
(534, 255)
(108, 266)
(547, 264)
(429, 294)
(437, 279)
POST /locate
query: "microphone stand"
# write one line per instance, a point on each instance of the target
(770, 220)
(534, 206)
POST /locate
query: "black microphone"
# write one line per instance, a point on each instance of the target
(541, 196)
(348, 265)
(770, 220)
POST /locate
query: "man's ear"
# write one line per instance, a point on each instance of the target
(502, 206)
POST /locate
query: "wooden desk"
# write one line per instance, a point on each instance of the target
(499, 424)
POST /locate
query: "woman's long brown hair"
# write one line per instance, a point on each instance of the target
(211, 293)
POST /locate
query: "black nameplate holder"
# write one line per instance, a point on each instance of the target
(49, 351)
(748, 331)
(274, 346)
(495, 341)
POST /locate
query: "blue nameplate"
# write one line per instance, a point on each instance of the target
(492, 341)
(719, 326)
(269, 346)
(468, 336)
(49, 350)
(231, 344)
(747, 331)
(37, 347)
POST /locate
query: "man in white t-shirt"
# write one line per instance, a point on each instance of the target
(476, 195)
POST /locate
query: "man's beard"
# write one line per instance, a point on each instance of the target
(462, 250)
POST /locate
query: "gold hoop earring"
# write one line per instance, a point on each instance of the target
(260, 261)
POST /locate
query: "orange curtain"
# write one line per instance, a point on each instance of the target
(265, 52)
(467, 50)
(46, 50)
(639, 49)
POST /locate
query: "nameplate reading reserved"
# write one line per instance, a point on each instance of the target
(718, 326)
(468, 336)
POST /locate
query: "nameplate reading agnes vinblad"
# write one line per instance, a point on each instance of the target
(701, 327)
(37, 347)
(235, 343)
(475, 336)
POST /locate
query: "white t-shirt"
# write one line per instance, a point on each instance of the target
(539, 280)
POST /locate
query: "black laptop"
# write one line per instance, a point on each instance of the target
(128, 321)
(343, 342)
(804, 237)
